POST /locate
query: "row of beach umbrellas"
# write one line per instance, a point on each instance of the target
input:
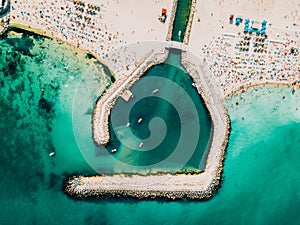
(251, 30)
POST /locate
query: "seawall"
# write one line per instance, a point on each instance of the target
(166, 186)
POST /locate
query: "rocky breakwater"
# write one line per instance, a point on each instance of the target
(159, 186)
(190, 22)
(214, 101)
(172, 18)
(168, 186)
(106, 102)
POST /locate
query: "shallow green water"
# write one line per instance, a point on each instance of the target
(181, 19)
(188, 125)
(261, 173)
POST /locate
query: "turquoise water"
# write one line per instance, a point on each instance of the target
(261, 173)
(178, 104)
(181, 19)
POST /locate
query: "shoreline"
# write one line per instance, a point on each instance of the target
(37, 31)
(258, 84)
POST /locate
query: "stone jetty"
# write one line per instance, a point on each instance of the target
(175, 187)
(106, 102)
(173, 14)
(190, 22)
(167, 186)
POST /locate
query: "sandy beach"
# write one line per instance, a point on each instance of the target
(104, 27)
(218, 42)
(212, 18)
(98, 27)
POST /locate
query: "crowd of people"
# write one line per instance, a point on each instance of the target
(78, 22)
(234, 59)
(235, 65)
(86, 24)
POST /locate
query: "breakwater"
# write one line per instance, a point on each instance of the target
(177, 187)
(105, 103)
(188, 29)
(214, 100)
(181, 20)
(167, 186)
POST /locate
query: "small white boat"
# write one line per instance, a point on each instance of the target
(51, 154)
(194, 84)
(114, 150)
(141, 144)
(128, 124)
(155, 91)
(140, 120)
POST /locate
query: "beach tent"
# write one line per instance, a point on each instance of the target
(164, 11)
(238, 20)
(231, 18)
(246, 28)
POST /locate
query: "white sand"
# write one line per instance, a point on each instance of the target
(137, 20)
(117, 23)
(283, 26)
(278, 13)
